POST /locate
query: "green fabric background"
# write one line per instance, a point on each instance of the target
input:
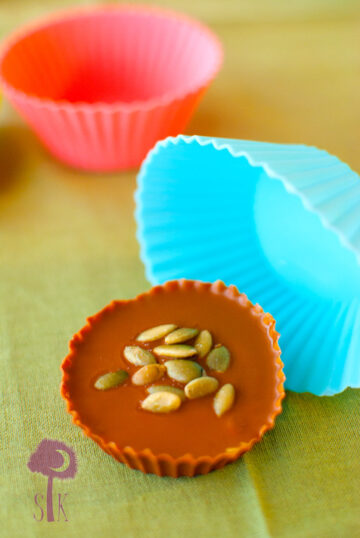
(68, 247)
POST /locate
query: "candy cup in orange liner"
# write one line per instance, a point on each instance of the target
(191, 438)
(100, 85)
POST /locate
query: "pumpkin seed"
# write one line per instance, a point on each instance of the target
(183, 371)
(218, 359)
(148, 374)
(161, 402)
(203, 343)
(197, 388)
(224, 399)
(167, 388)
(181, 335)
(180, 351)
(155, 333)
(111, 380)
(138, 356)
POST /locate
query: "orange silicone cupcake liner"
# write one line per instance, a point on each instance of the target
(164, 464)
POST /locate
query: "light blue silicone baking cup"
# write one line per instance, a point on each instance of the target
(282, 223)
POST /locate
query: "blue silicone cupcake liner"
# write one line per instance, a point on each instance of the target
(282, 223)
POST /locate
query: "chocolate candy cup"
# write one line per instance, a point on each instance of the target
(191, 440)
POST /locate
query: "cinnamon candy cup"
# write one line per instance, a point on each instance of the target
(192, 439)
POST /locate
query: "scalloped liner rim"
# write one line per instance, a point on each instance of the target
(165, 464)
(222, 144)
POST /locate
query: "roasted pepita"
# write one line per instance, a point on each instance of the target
(167, 388)
(218, 359)
(202, 386)
(180, 335)
(138, 356)
(177, 351)
(183, 371)
(148, 374)
(224, 399)
(155, 333)
(203, 343)
(161, 402)
(111, 380)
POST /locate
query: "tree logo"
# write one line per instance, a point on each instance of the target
(53, 459)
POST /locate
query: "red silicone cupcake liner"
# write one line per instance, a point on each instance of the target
(99, 86)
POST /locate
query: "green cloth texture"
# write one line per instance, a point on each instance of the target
(68, 248)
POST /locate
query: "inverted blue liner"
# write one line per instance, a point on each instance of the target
(282, 223)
